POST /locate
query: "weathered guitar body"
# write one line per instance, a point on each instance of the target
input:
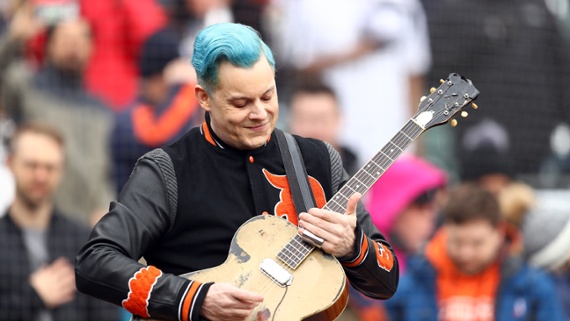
(318, 287)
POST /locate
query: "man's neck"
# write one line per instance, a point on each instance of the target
(27, 217)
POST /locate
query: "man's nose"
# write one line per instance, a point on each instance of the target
(258, 110)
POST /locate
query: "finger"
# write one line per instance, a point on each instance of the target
(68, 281)
(66, 297)
(247, 296)
(240, 314)
(353, 203)
(62, 272)
(318, 231)
(331, 223)
(60, 262)
(324, 215)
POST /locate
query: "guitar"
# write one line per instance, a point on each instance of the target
(298, 281)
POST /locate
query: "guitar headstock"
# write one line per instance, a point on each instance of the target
(451, 97)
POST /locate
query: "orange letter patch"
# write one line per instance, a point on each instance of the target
(384, 256)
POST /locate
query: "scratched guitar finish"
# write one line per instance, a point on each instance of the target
(298, 281)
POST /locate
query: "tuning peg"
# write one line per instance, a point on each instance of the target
(453, 123)
(441, 81)
(422, 98)
(464, 114)
(474, 105)
(432, 90)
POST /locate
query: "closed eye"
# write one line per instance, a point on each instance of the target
(239, 103)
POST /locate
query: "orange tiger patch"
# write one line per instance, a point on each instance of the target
(140, 288)
(285, 207)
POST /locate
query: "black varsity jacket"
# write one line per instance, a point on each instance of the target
(180, 209)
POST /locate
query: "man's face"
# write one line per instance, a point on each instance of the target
(37, 165)
(243, 108)
(315, 115)
(473, 245)
(70, 46)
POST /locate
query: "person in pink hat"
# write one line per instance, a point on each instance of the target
(403, 206)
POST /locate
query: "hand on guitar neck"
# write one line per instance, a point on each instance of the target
(336, 229)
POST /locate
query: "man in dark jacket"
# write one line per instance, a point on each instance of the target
(183, 203)
(165, 109)
(37, 243)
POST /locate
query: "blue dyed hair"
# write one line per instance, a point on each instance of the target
(235, 43)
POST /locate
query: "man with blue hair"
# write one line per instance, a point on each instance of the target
(184, 202)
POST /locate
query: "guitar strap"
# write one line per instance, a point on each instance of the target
(303, 197)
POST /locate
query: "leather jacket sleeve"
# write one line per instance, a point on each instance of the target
(374, 269)
(107, 266)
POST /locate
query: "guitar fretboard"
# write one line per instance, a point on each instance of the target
(297, 250)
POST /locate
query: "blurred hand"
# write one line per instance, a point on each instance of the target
(54, 283)
(24, 25)
(225, 302)
(336, 229)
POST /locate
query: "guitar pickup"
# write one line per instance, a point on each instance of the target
(276, 272)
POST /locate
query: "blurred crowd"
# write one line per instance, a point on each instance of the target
(478, 214)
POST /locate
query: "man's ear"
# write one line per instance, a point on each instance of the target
(203, 97)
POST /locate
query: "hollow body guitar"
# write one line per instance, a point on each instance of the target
(298, 281)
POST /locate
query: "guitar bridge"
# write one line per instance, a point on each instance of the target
(276, 272)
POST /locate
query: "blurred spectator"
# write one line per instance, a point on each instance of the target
(404, 205)
(466, 273)
(167, 107)
(486, 158)
(37, 244)
(487, 161)
(55, 94)
(119, 30)
(373, 53)
(187, 17)
(516, 56)
(314, 112)
(252, 13)
(546, 232)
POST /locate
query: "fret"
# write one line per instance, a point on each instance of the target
(337, 208)
(334, 202)
(378, 165)
(370, 176)
(410, 138)
(356, 179)
(347, 186)
(292, 251)
(395, 145)
(387, 156)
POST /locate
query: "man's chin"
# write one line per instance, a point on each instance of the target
(34, 202)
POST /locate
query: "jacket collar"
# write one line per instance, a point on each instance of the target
(212, 139)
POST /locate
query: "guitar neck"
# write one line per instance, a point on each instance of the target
(297, 249)
(368, 174)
